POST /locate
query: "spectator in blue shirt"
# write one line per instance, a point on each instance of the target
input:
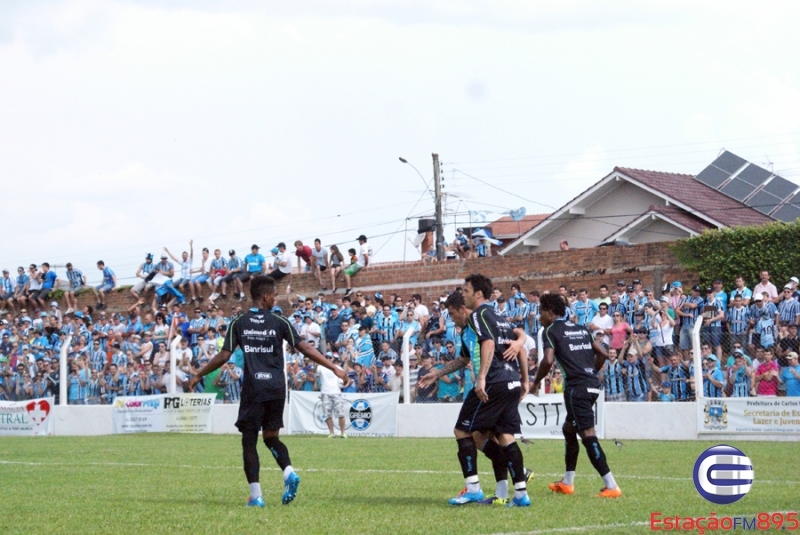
(77, 280)
(7, 290)
(790, 375)
(108, 284)
(49, 281)
(788, 307)
(712, 327)
(254, 264)
(713, 378)
(584, 309)
(744, 291)
(688, 310)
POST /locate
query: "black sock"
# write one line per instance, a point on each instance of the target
(467, 456)
(495, 453)
(596, 455)
(250, 455)
(516, 466)
(279, 451)
(571, 451)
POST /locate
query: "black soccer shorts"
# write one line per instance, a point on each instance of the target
(500, 414)
(579, 403)
(257, 415)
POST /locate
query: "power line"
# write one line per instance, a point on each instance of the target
(504, 191)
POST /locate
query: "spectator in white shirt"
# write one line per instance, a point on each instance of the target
(311, 330)
(602, 322)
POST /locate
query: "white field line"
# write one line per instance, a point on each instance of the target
(356, 470)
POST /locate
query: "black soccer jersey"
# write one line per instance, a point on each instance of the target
(488, 326)
(260, 335)
(572, 345)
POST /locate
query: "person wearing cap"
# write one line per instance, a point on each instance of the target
(688, 310)
(233, 274)
(713, 377)
(740, 375)
(632, 304)
(144, 273)
(741, 289)
(254, 264)
(765, 285)
(790, 375)
(763, 320)
(461, 244)
(788, 307)
(712, 326)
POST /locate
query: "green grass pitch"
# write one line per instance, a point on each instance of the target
(194, 484)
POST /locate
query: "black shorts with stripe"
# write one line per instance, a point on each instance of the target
(500, 414)
(579, 403)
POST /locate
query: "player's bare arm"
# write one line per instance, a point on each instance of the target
(544, 368)
(600, 355)
(311, 352)
(214, 364)
(516, 346)
(450, 367)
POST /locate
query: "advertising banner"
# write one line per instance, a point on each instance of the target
(543, 416)
(26, 418)
(164, 413)
(368, 415)
(748, 415)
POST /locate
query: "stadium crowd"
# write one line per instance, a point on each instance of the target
(750, 342)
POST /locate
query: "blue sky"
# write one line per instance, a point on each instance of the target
(128, 126)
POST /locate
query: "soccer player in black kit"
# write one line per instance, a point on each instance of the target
(492, 405)
(580, 359)
(260, 334)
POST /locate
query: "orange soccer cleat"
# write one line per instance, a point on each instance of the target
(562, 488)
(610, 493)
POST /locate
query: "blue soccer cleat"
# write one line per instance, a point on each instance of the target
(524, 501)
(290, 488)
(257, 502)
(467, 497)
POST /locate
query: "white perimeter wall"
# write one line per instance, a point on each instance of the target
(651, 421)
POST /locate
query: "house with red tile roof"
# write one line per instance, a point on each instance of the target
(637, 206)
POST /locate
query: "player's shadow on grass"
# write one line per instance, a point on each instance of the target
(204, 501)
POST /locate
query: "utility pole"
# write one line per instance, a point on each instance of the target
(437, 181)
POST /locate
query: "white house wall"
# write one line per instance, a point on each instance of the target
(615, 210)
(657, 230)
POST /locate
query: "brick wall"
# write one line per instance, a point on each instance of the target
(654, 264)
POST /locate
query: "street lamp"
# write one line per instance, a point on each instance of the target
(420, 174)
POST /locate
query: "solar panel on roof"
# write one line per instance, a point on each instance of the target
(728, 161)
(712, 176)
(764, 202)
(780, 187)
(755, 175)
(787, 213)
(738, 189)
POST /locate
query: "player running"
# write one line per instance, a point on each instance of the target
(260, 334)
(492, 405)
(580, 358)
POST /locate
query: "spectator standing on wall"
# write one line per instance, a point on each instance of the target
(203, 276)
